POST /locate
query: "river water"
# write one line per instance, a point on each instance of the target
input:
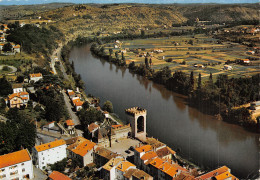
(198, 137)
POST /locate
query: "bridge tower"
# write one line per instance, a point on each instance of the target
(136, 116)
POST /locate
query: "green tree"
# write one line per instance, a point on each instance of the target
(110, 52)
(146, 62)
(199, 81)
(123, 57)
(108, 106)
(7, 47)
(89, 116)
(60, 165)
(85, 105)
(5, 87)
(191, 82)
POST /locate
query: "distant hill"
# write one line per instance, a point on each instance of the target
(131, 17)
(221, 12)
(17, 12)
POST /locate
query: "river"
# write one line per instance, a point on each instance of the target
(198, 137)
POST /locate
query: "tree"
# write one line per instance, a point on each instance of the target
(190, 42)
(18, 132)
(150, 62)
(142, 33)
(146, 62)
(108, 106)
(85, 105)
(110, 52)
(7, 47)
(199, 81)
(116, 55)
(191, 82)
(123, 57)
(5, 87)
(89, 116)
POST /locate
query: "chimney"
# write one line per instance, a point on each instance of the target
(121, 166)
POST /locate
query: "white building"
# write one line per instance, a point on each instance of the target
(17, 88)
(16, 165)
(49, 153)
(35, 77)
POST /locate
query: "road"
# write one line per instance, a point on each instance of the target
(73, 115)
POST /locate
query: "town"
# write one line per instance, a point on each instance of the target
(52, 127)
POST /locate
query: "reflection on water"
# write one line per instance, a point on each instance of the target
(200, 138)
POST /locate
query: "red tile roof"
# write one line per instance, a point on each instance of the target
(70, 122)
(50, 145)
(83, 148)
(92, 126)
(55, 175)
(36, 75)
(217, 173)
(14, 158)
(148, 156)
(144, 148)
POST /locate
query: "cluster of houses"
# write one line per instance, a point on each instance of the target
(16, 48)
(20, 96)
(75, 98)
(152, 159)
(245, 30)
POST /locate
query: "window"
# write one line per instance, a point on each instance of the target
(22, 164)
(23, 170)
(43, 158)
(2, 170)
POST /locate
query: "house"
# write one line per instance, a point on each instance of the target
(108, 171)
(1, 46)
(70, 126)
(245, 61)
(103, 155)
(139, 152)
(77, 104)
(122, 168)
(106, 114)
(121, 131)
(18, 87)
(35, 77)
(136, 174)
(55, 175)
(2, 39)
(92, 129)
(221, 173)
(83, 151)
(71, 93)
(227, 67)
(158, 50)
(18, 100)
(49, 153)
(17, 48)
(16, 165)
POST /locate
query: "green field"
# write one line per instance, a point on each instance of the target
(205, 50)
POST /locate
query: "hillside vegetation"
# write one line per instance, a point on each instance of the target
(133, 17)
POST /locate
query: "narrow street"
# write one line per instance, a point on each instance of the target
(73, 115)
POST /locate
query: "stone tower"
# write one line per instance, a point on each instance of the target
(136, 116)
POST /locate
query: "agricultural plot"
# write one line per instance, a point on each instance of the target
(185, 52)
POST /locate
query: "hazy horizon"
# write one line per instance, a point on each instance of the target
(32, 2)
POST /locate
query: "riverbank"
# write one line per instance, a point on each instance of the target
(210, 97)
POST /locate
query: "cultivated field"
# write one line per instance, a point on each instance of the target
(207, 53)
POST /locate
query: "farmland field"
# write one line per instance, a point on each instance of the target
(186, 51)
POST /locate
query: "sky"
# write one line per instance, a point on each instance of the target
(27, 2)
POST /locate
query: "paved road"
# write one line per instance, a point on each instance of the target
(73, 115)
